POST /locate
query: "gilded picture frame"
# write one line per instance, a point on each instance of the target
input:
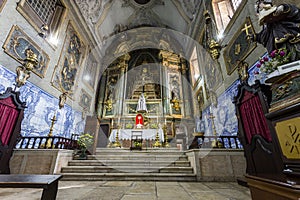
(17, 42)
(239, 46)
(70, 61)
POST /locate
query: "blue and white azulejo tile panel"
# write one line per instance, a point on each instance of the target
(41, 107)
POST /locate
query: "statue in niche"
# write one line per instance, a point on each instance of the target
(111, 87)
(280, 27)
(175, 87)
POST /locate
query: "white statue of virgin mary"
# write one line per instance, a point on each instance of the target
(141, 106)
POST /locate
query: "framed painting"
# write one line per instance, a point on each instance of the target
(70, 61)
(85, 100)
(16, 44)
(239, 47)
(90, 72)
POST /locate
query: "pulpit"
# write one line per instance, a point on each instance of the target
(11, 116)
(252, 103)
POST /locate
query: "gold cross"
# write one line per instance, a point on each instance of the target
(246, 28)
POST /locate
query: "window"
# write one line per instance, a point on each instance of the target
(195, 74)
(41, 13)
(224, 10)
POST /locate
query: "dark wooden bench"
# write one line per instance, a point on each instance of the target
(49, 183)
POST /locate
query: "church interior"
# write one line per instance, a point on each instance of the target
(195, 99)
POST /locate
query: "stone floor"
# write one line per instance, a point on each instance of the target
(132, 190)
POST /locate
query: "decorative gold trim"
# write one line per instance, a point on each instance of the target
(63, 55)
(31, 42)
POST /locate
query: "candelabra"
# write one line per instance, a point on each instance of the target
(157, 142)
(117, 142)
(48, 143)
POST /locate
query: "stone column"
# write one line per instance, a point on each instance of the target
(187, 101)
(100, 106)
(123, 65)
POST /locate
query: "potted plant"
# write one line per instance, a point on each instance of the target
(85, 141)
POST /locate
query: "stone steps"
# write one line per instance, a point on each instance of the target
(126, 163)
(122, 164)
(128, 177)
(126, 169)
(136, 156)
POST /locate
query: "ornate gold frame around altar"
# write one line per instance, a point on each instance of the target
(239, 47)
(16, 44)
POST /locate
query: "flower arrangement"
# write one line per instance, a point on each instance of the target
(269, 64)
(85, 140)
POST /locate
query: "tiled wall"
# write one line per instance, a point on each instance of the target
(41, 107)
(223, 113)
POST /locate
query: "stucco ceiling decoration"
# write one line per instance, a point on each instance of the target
(109, 17)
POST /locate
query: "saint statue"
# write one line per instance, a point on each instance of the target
(280, 27)
(141, 106)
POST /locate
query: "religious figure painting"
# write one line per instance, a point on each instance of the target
(16, 45)
(2, 3)
(239, 47)
(70, 62)
(90, 72)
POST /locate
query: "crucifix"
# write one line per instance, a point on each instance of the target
(246, 28)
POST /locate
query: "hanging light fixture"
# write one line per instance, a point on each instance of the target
(211, 43)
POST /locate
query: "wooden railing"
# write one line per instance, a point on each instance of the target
(45, 142)
(228, 142)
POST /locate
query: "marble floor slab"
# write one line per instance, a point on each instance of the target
(135, 190)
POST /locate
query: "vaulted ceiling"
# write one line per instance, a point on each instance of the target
(108, 17)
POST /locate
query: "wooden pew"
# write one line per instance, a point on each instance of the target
(49, 183)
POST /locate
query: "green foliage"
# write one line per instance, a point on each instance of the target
(85, 140)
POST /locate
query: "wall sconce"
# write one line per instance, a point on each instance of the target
(62, 99)
(44, 31)
(23, 72)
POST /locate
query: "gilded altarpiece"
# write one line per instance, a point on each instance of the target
(16, 44)
(70, 61)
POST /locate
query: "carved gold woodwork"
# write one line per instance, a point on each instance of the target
(23, 72)
(109, 105)
(170, 59)
(175, 104)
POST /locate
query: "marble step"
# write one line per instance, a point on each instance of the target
(145, 157)
(126, 169)
(100, 151)
(140, 163)
(128, 177)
